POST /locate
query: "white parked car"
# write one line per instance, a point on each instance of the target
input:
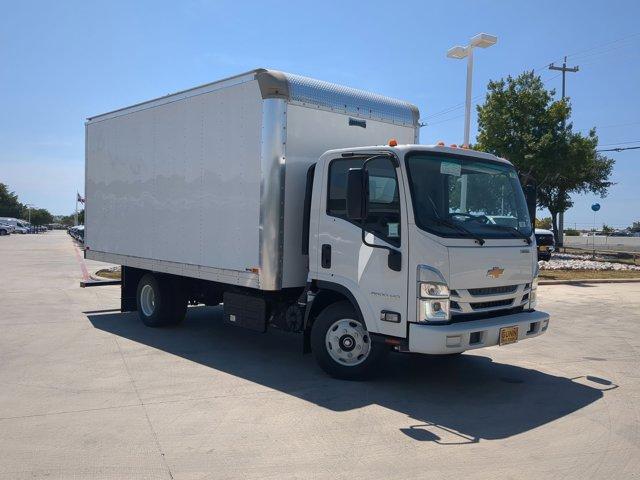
(19, 226)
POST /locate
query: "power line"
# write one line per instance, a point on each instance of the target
(601, 127)
(619, 143)
(619, 149)
(581, 52)
(446, 120)
(574, 56)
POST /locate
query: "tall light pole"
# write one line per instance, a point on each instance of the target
(481, 40)
(29, 206)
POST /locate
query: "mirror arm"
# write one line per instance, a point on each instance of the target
(372, 245)
(392, 251)
(362, 220)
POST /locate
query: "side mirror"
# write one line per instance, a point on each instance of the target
(357, 194)
(530, 195)
(394, 260)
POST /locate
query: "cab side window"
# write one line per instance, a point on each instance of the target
(384, 198)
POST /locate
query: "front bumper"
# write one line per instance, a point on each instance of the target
(458, 337)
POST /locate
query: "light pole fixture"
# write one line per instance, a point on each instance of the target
(482, 40)
(29, 206)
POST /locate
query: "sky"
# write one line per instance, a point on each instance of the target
(61, 62)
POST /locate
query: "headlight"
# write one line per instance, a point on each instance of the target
(433, 305)
(434, 290)
(433, 310)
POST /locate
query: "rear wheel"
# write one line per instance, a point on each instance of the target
(342, 346)
(160, 301)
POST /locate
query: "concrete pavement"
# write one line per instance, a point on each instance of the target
(87, 392)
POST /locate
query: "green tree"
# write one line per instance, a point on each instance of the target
(543, 223)
(69, 220)
(521, 121)
(606, 229)
(9, 204)
(39, 216)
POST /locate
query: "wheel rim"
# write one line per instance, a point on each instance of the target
(147, 300)
(348, 343)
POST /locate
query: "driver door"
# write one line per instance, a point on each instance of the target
(345, 260)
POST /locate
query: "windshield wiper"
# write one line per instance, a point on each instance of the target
(460, 228)
(514, 231)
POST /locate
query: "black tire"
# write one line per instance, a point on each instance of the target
(169, 305)
(327, 318)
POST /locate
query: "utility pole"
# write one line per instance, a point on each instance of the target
(564, 69)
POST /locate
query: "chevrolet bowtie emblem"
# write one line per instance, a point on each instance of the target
(495, 272)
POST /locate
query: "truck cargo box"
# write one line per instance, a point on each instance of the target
(209, 182)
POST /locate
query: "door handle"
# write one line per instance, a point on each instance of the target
(326, 256)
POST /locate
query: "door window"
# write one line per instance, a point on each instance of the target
(383, 219)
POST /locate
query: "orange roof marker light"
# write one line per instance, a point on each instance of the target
(440, 144)
(393, 142)
(453, 145)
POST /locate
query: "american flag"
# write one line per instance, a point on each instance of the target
(80, 199)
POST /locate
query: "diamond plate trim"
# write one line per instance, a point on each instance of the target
(350, 101)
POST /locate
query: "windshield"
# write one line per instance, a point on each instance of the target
(457, 196)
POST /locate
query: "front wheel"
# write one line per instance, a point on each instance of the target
(342, 346)
(160, 301)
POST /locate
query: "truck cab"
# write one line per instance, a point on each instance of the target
(407, 235)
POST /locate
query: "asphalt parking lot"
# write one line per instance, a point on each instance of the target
(87, 392)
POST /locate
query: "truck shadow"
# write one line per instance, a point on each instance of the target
(456, 401)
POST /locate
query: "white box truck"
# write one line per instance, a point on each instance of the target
(282, 198)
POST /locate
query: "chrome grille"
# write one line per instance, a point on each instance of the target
(482, 292)
(494, 304)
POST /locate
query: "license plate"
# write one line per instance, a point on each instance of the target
(508, 335)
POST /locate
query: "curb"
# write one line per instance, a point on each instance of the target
(594, 280)
(98, 278)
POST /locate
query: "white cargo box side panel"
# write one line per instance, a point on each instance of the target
(179, 182)
(310, 133)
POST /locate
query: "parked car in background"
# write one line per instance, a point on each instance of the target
(77, 232)
(10, 228)
(546, 243)
(5, 229)
(621, 233)
(19, 226)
